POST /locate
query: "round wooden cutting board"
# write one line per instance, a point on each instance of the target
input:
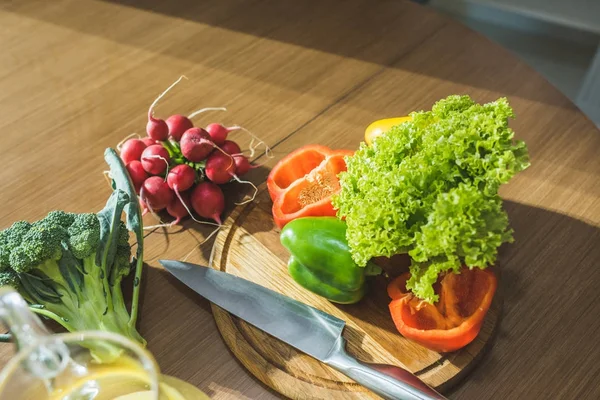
(248, 246)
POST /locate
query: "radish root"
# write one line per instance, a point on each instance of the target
(253, 146)
(154, 214)
(211, 235)
(188, 255)
(227, 154)
(223, 151)
(160, 96)
(249, 183)
(147, 228)
(200, 111)
(190, 213)
(252, 166)
(212, 250)
(107, 177)
(212, 254)
(162, 158)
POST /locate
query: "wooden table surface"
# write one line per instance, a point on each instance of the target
(77, 76)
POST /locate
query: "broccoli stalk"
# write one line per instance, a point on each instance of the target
(69, 267)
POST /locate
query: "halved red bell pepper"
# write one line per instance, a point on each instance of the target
(302, 183)
(455, 319)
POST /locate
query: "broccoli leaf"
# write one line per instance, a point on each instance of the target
(40, 287)
(110, 217)
(122, 182)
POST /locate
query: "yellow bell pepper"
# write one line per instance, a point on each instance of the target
(381, 126)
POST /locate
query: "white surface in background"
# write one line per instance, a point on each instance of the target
(562, 55)
(589, 95)
(579, 14)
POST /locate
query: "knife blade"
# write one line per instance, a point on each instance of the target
(305, 328)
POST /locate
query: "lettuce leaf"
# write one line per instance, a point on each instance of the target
(429, 188)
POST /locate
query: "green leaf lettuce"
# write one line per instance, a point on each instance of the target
(429, 187)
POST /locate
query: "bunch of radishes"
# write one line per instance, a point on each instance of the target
(179, 167)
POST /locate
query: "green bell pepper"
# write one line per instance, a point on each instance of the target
(320, 259)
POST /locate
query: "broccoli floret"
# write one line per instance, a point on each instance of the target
(122, 266)
(4, 250)
(123, 234)
(14, 235)
(59, 218)
(23, 246)
(20, 260)
(84, 235)
(27, 245)
(8, 277)
(43, 242)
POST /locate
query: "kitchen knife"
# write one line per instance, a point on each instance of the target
(306, 328)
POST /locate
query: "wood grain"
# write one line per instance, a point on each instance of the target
(249, 247)
(76, 76)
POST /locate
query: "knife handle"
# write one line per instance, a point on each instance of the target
(388, 381)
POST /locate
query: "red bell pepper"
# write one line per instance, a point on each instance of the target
(454, 320)
(302, 183)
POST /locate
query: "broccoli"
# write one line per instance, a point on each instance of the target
(60, 218)
(8, 277)
(84, 235)
(69, 267)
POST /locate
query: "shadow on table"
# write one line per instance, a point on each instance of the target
(375, 32)
(548, 282)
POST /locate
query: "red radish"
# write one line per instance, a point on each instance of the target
(230, 147)
(137, 174)
(242, 165)
(196, 144)
(219, 168)
(148, 141)
(132, 150)
(218, 133)
(157, 128)
(177, 210)
(156, 193)
(208, 201)
(181, 177)
(178, 124)
(155, 159)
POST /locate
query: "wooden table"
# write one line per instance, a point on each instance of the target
(77, 76)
